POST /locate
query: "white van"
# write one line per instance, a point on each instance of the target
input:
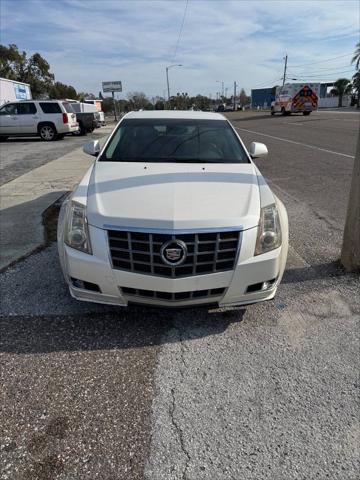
(49, 119)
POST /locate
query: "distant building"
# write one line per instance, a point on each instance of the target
(262, 97)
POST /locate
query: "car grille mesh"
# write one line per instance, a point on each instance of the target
(172, 296)
(140, 252)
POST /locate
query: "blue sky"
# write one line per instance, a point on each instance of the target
(88, 41)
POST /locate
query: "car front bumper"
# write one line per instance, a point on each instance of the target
(223, 289)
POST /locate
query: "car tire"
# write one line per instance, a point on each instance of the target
(306, 113)
(283, 111)
(81, 132)
(60, 136)
(47, 132)
(3, 139)
(272, 111)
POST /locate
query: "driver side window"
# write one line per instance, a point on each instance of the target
(9, 109)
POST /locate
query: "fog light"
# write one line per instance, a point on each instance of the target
(261, 287)
(85, 285)
(77, 283)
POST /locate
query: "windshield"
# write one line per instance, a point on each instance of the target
(174, 140)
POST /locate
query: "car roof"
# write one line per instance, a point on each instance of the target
(176, 114)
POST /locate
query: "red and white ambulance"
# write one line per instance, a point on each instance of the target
(296, 98)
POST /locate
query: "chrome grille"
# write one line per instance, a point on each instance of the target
(206, 252)
(172, 296)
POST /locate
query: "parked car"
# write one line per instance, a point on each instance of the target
(51, 120)
(86, 118)
(173, 212)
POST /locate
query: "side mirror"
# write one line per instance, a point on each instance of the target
(92, 148)
(258, 150)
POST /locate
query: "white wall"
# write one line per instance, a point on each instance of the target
(329, 102)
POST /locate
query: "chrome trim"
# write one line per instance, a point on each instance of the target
(154, 267)
(172, 231)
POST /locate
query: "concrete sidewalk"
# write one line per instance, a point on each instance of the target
(23, 201)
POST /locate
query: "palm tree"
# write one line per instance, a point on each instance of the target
(356, 57)
(356, 87)
(342, 87)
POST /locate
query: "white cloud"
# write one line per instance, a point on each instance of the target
(87, 42)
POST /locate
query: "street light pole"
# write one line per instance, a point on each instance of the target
(167, 78)
(222, 87)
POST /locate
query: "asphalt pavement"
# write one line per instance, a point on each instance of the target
(264, 392)
(19, 155)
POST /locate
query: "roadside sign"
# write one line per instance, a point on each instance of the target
(112, 86)
(20, 91)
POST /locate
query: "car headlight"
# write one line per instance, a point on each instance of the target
(76, 228)
(269, 233)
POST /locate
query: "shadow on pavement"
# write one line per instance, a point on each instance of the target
(314, 272)
(125, 329)
(20, 231)
(267, 116)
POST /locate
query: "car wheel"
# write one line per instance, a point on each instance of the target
(3, 139)
(306, 113)
(81, 132)
(283, 111)
(47, 133)
(272, 111)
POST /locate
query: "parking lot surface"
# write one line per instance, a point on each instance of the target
(263, 392)
(21, 155)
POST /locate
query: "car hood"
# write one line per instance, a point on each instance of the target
(173, 196)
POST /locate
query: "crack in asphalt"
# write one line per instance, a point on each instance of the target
(172, 406)
(179, 433)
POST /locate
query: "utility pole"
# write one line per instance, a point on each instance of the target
(113, 96)
(285, 66)
(235, 96)
(350, 252)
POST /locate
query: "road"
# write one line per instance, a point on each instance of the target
(264, 392)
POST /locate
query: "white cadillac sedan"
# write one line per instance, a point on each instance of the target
(173, 212)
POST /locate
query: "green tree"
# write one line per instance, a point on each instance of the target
(244, 99)
(342, 87)
(59, 90)
(34, 70)
(138, 101)
(83, 95)
(356, 57)
(356, 87)
(10, 59)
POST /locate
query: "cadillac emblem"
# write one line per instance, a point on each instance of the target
(173, 252)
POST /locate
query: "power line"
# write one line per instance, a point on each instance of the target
(327, 69)
(181, 29)
(320, 74)
(322, 61)
(304, 77)
(267, 82)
